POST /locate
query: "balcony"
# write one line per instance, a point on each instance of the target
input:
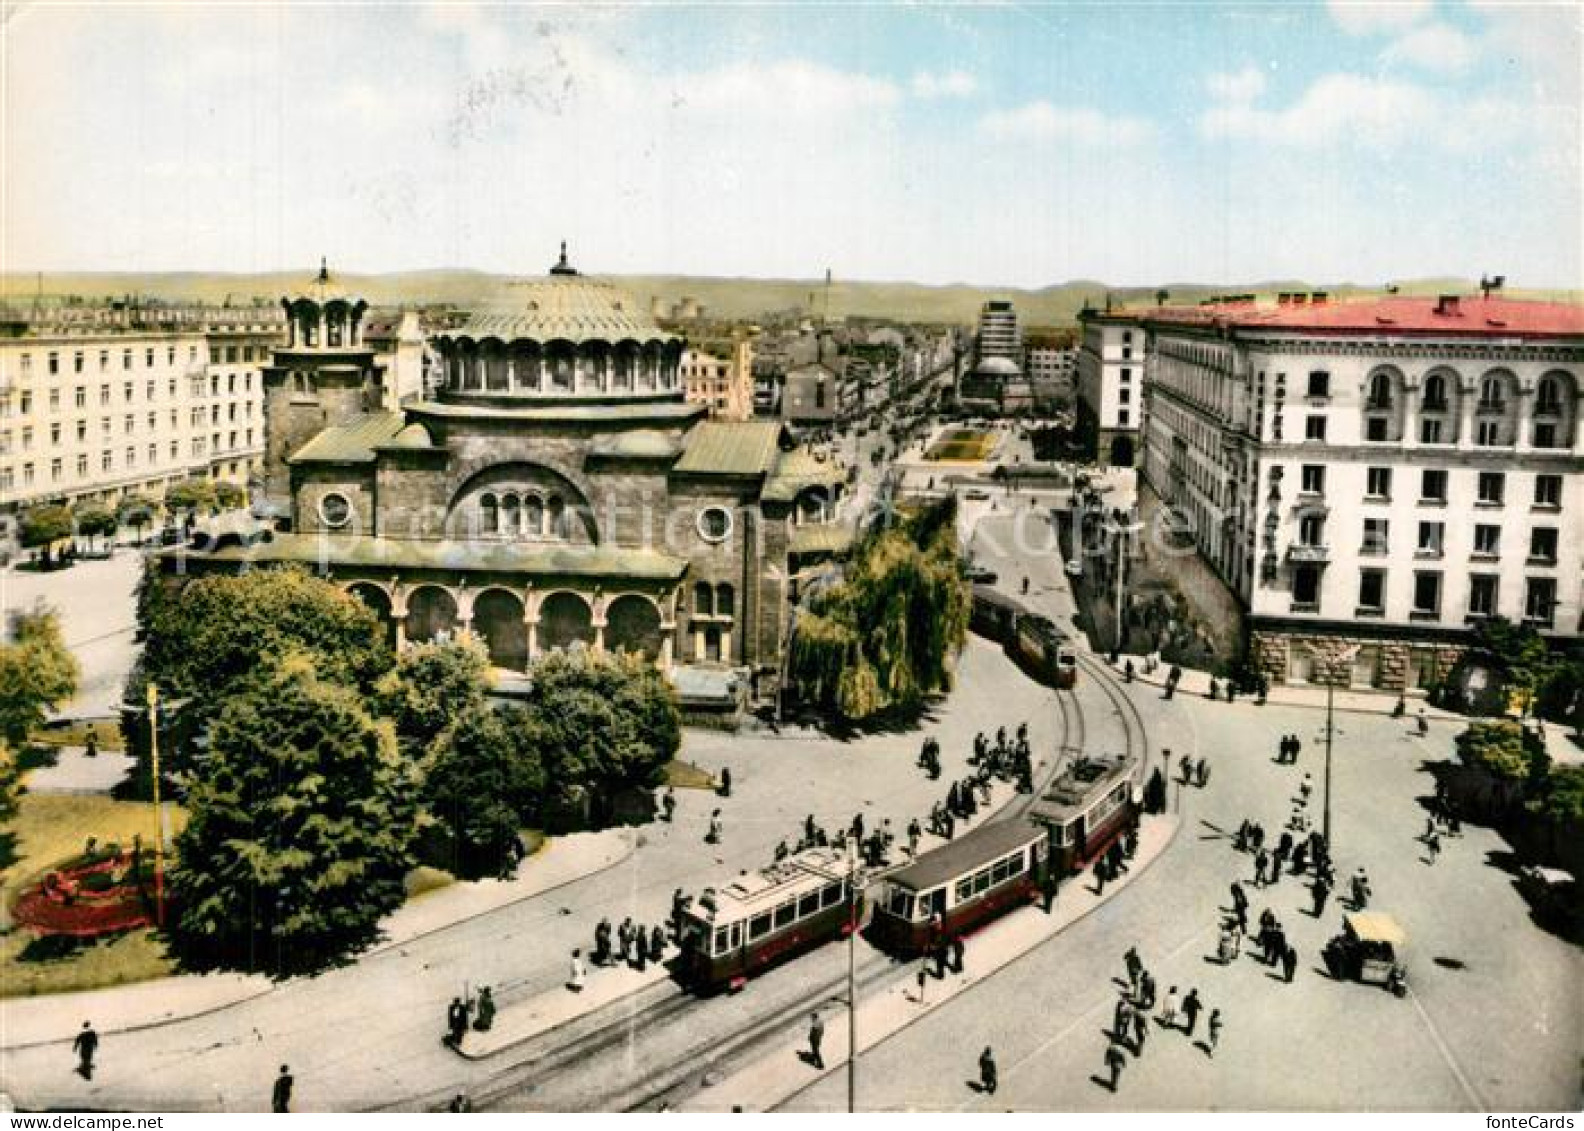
(1305, 553)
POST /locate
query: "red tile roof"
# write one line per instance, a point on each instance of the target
(1467, 315)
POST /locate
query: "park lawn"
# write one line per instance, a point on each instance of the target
(685, 775)
(49, 829)
(961, 444)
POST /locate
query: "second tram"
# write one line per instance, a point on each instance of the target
(1086, 809)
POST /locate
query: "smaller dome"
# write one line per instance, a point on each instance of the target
(998, 367)
(323, 288)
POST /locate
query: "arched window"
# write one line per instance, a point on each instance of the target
(703, 600)
(489, 514)
(557, 527)
(725, 601)
(1435, 398)
(1380, 391)
(533, 516)
(511, 515)
(1548, 401)
(1491, 394)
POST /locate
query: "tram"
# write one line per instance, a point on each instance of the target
(760, 918)
(1086, 809)
(950, 890)
(1032, 641)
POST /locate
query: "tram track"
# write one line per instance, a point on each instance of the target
(620, 1024)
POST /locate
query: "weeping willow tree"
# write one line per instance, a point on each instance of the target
(888, 634)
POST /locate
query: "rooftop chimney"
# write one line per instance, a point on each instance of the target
(1447, 304)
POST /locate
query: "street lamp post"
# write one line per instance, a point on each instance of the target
(852, 976)
(159, 814)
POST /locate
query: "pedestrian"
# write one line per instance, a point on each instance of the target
(957, 955)
(486, 1010)
(1147, 991)
(808, 827)
(602, 937)
(1049, 883)
(1202, 773)
(1185, 770)
(679, 903)
(857, 827)
(1433, 846)
(1361, 890)
(1099, 874)
(1289, 961)
(725, 782)
(1140, 1031)
(84, 1045)
(1122, 1018)
(460, 1102)
(1213, 1033)
(91, 750)
(714, 834)
(1238, 898)
(913, 834)
(1191, 1008)
(987, 1071)
(1261, 862)
(280, 1094)
(816, 1036)
(1115, 1059)
(657, 943)
(1168, 1012)
(579, 972)
(1305, 788)
(668, 804)
(1297, 748)
(1135, 968)
(1321, 891)
(456, 1022)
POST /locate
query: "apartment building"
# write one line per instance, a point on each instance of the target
(100, 401)
(1370, 479)
(720, 376)
(1111, 382)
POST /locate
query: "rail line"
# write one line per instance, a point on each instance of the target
(618, 1023)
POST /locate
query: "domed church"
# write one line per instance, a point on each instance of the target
(555, 490)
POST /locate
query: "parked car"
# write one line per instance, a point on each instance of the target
(979, 575)
(976, 493)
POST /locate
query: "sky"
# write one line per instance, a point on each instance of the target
(1016, 144)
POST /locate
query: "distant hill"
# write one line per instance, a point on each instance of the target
(1055, 305)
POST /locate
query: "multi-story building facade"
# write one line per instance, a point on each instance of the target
(1371, 479)
(719, 375)
(1111, 382)
(97, 402)
(997, 382)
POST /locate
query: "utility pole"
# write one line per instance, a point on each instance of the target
(852, 975)
(159, 813)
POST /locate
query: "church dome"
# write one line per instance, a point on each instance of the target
(563, 335)
(997, 367)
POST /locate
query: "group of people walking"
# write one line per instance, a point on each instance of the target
(1130, 1019)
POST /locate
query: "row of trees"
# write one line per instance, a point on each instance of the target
(886, 636)
(330, 766)
(37, 674)
(1508, 779)
(42, 526)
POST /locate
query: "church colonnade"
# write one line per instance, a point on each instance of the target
(560, 367)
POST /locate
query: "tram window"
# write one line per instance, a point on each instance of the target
(1059, 834)
(1002, 869)
(720, 940)
(982, 881)
(785, 914)
(831, 895)
(1014, 864)
(965, 890)
(759, 926)
(901, 903)
(808, 905)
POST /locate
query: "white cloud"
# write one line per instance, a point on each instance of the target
(1337, 108)
(1045, 121)
(948, 84)
(1236, 86)
(788, 87)
(1371, 17)
(1435, 47)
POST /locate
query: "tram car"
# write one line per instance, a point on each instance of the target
(1032, 641)
(733, 932)
(967, 882)
(1086, 809)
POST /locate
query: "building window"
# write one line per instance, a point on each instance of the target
(1124, 396)
(1372, 591)
(1378, 483)
(1432, 536)
(1488, 434)
(1487, 540)
(1490, 397)
(1482, 595)
(104, 360)
(1435, 399)
(1122, 418)
(1433, 485)
(336, 511)
(715, 524)
(106, 461)
(1427, 594)
(55, 470)
(55, 435)
(1545, 435)
(1543, 544)
(148, 358)
(1319, 383)
(1315, 428)
(1127, 376)
(126, 359)
(1548, 491)
(1492, 487)
(126, 391)
(80, 397)
(82, 465)
(1540, 600)
(1548, 397)
(104, 396)
(153, 455)
(1306, 587)
(131, 456)
(1429, 431)
(27, 402)
(1312, 479)
(148, 390)
(1311, 530)
(1375, 428)
(54, 363)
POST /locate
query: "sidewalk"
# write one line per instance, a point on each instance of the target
(775, 1077)
(30, 1021)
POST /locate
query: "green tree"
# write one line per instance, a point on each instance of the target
(1521, 652)
(431, 684)
(10, 786)
(191, 495)
(43, 526)
(219, 629)
(483, 785)
(299, 833)
(138, 512)
(602, 722)
(94, 522)
(1561, 801)
(230, 496)
(37, 674)
(1510, 759)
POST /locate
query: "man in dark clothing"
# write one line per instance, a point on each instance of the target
(456, 1022)
(280, 1095)
(957, 955)
(668, 804)
(85, 1044)
(1122, 1019)
(1048, 887)
(1140, 1031)
(1190, 1010)
(815, 1037)
(657, 943)
(987, 1071)
(725, 781)
(1322, 892)
(1135, 968)
(1147, 991)
(1115, 1058)
(1239, 900)
(1289, 961)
